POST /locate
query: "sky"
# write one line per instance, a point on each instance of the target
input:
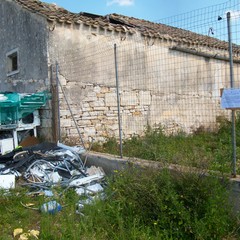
(152, 10)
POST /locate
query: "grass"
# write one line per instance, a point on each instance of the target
(204, 150)
(136, 207)
(141, 204)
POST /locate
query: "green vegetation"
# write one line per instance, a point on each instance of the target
(204, 150)
(138, 205)
(142, 204)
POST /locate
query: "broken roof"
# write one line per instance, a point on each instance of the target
(120, 23)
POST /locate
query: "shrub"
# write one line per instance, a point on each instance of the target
(168, 206)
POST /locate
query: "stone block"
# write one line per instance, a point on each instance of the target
(90, 131)
(95, 113)
(73, 132)
(66, 122)
(144, 98)
(82, 122)
(98, 103)
(85, 114)
(129, 99)
(133, 124)
(105, 90)
(105, 109)
(97, 89)
(65, 113)
(111, 99)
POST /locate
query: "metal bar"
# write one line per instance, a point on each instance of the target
(58, 107)
(53, 91)
(118, 101)
(65, 97)
(232, 86)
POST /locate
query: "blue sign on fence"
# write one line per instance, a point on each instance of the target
(231, 99)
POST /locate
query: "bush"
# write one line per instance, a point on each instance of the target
(204, 150)
(167, 206)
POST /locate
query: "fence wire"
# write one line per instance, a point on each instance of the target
(161, 83)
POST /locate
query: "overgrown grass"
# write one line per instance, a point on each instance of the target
(138, 205)
(205, 150)
(142, 204)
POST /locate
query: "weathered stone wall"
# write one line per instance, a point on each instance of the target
(158, 86)
(28, 33)
(97, 114)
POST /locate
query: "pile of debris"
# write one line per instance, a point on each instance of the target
(46, 165)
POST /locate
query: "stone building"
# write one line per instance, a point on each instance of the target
(168, 76)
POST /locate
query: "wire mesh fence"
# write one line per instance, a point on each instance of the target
(167, 82)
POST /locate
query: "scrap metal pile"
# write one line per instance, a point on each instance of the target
(46, 165)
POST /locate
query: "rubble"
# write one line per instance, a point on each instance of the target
(44, 166)
(7, 181)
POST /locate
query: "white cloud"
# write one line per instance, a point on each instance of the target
(121, 2)
(235, 14)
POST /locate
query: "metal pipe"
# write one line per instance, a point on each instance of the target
(53, 90)
(58, 107)
(232, 86)
(118, 100)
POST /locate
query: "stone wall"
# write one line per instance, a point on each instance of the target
(158, 86)
(28, 33)
(97, 114)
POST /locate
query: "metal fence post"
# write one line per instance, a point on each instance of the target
(118, 101)
(58, 109)
(54, 104)
(232, 86)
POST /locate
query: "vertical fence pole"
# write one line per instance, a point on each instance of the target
(58, 109)
(118, 101)
(232, 86)
(54, 104)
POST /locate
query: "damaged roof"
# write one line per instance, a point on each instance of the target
(120, 23)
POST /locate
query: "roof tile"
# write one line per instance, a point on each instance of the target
(117, 22)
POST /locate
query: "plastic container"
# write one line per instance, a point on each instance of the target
(51, 207)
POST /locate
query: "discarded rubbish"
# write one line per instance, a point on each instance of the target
(48, 193)
(44, 166)
(92, 189)
(85, 180)
(25, 236)
(34, 233)
(89, 201)
(51, 207)
(7, 181)
(17, 232)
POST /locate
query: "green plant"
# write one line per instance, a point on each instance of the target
(139, 204)
(204, 150)
(170, 205)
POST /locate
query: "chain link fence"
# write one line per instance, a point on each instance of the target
(164, 83)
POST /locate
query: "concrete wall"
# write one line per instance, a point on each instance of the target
(28, 33)
(111, 163)
(158, 85)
